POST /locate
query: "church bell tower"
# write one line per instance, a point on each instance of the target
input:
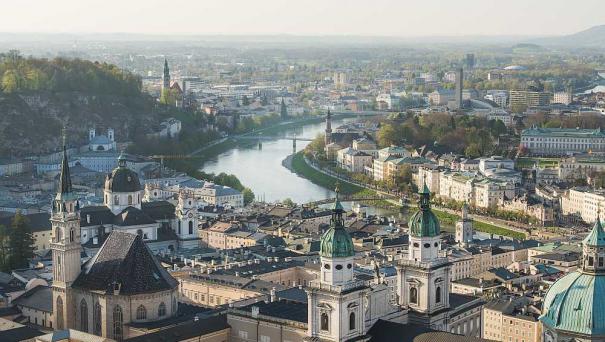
(65, 246)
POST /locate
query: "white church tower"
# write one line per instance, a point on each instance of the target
(187, 219)
(337, 302)
(464, 228)
(424, 278)
(65, 246)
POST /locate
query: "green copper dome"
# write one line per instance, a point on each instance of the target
(424, 223)
(596, 237)
(575, 304)
(336, 241)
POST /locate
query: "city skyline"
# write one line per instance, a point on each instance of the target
(274, 17)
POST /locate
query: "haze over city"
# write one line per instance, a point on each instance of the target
(306, 17)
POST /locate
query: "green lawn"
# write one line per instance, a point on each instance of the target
(450, 219)
(301, 168)
(526, 162)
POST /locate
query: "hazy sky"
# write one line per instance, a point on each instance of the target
(304, 17)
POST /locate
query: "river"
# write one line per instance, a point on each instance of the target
(261, 169)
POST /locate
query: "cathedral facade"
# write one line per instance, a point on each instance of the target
(122, 283)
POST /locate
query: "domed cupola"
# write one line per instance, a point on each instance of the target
(122, 179)
(336, 242)
(574, 305)
(122, 188)
(424, 231)
(424, 223)
(336, 250)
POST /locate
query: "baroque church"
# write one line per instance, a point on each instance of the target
(341, 307)
(160, 224)
(120, 284)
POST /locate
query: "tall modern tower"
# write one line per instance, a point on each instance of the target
(328, 137)
(166, 83)
(459, 85)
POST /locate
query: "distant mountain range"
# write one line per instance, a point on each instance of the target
(592, 37)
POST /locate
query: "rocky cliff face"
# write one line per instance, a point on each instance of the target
(31, 123)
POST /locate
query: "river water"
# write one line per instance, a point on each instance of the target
(261, 169)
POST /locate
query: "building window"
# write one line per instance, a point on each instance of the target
(327, 266)
(179, 228)
(83, 316)
(162, 310)
(190, 227)
(325, 321)
(438, 294)
(96, 317)
(71, 235)
(141, 312)
(59, 313)
(118, 333)
(116, 200)
(413, 295)
(174, 306)
(129, 199)
(140, 233)
(264, 338)
(352, 321)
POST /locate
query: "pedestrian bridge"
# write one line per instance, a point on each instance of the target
(269, 137)
(348, 198)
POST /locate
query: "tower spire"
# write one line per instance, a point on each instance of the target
(65, 177)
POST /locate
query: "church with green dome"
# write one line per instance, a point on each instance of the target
(573, 310)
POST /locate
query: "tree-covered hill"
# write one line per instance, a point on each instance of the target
(39, 96)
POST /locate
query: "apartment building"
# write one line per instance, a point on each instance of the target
(529, 98)
(583, 201)
(511, 319)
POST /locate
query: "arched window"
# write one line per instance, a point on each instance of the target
(325, 322)
(117, 323)
(97, 319)
(190, 227)
(129, 199)
(59, 234)
(59, 313)
(438, 294)
(352, 321)
(71, 235)
(414, 295)
(83, 316)
(174, 306)
(179, 230)
(141, 312)
(116, 200)
(162, 310)
(140, 233)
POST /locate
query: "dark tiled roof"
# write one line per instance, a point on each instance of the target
(158, 210)
(98, 215)
(293, 294)
(132, 216)
(185, 331)
(39, 298)
(282, 309)
(37, 222)
(19, 334)
(124, 259)
(385, 331)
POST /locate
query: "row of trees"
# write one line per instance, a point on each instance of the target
(16, 244)
(19, 74)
